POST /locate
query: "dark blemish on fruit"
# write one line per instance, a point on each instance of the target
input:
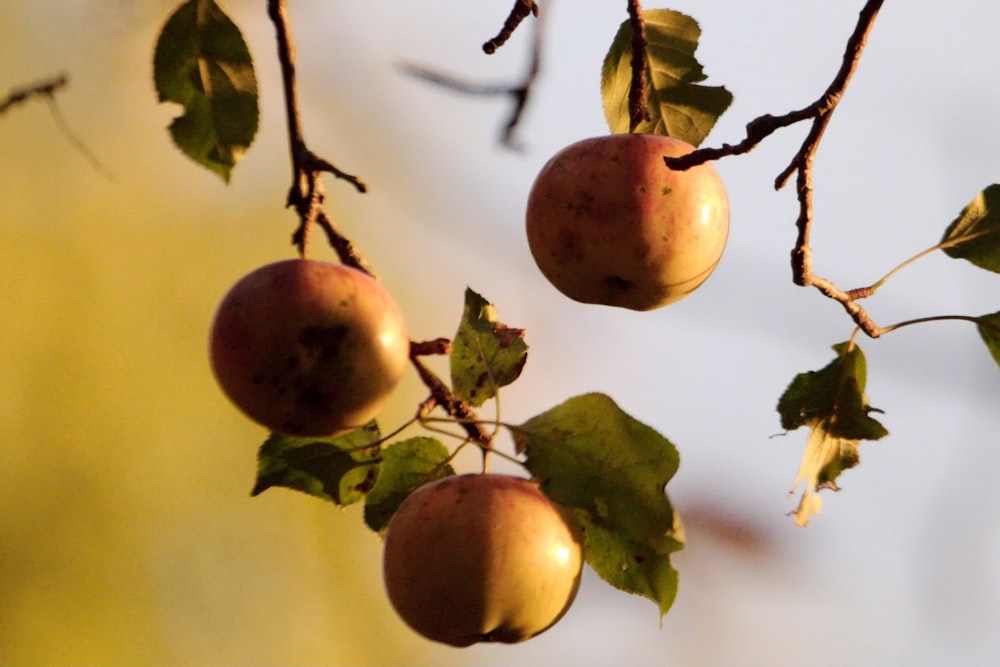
(582, 205)
(312, 398)
(618, 284)
(569, 245)
(323, 342)
(666, 190)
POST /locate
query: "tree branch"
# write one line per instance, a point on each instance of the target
(637, 106)
(307, 196)
(520, 92)
(519, 12)
(46, 88)
(820, 112)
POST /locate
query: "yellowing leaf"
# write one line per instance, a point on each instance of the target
(826, 456)
(678, 106)
(831, 402)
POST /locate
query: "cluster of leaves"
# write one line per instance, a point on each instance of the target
(586, 454)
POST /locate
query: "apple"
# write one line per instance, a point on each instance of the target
(481, 558)
(308, 348)
(609, 223)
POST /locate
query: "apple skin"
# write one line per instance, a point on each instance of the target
(481, 558)
(308, 348)
(609, 223)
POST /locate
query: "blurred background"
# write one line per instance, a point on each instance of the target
(127, 533)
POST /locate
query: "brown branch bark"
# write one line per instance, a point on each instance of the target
(519, 12)
(637, 98)
(307, 196)
(819, 112)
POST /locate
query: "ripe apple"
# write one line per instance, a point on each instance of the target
(308, 348)
(608, 222)
(481, 558)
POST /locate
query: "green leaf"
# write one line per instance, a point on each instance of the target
(975, 233)
(835, 392)
(989, 329)
(678, 106)
(202, 63)
(340, 469)
(610, 471)
(406, 465)
(485, 354)
(831, 402)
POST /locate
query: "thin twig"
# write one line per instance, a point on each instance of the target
(519, 12)
(442, 396)
(306, 194)
(637, 102)
(307, 197)
(46, 88)
(520, 92)
(819, 112)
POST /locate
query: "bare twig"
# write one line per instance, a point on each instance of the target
(46, 88)
(442, 396)
(519, 12)
(820, 113)
(637, 107)
(428, 348)
(520, 92)
(306, 195)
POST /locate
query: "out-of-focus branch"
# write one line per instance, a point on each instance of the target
(45, 88)
(519, 92)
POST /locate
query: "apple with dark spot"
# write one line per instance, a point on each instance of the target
(308, 348)
(609, 223)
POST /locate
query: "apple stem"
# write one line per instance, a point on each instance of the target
(637, 103)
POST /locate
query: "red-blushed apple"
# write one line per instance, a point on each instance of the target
(481, 558)
(308, 348)
(609, 223)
